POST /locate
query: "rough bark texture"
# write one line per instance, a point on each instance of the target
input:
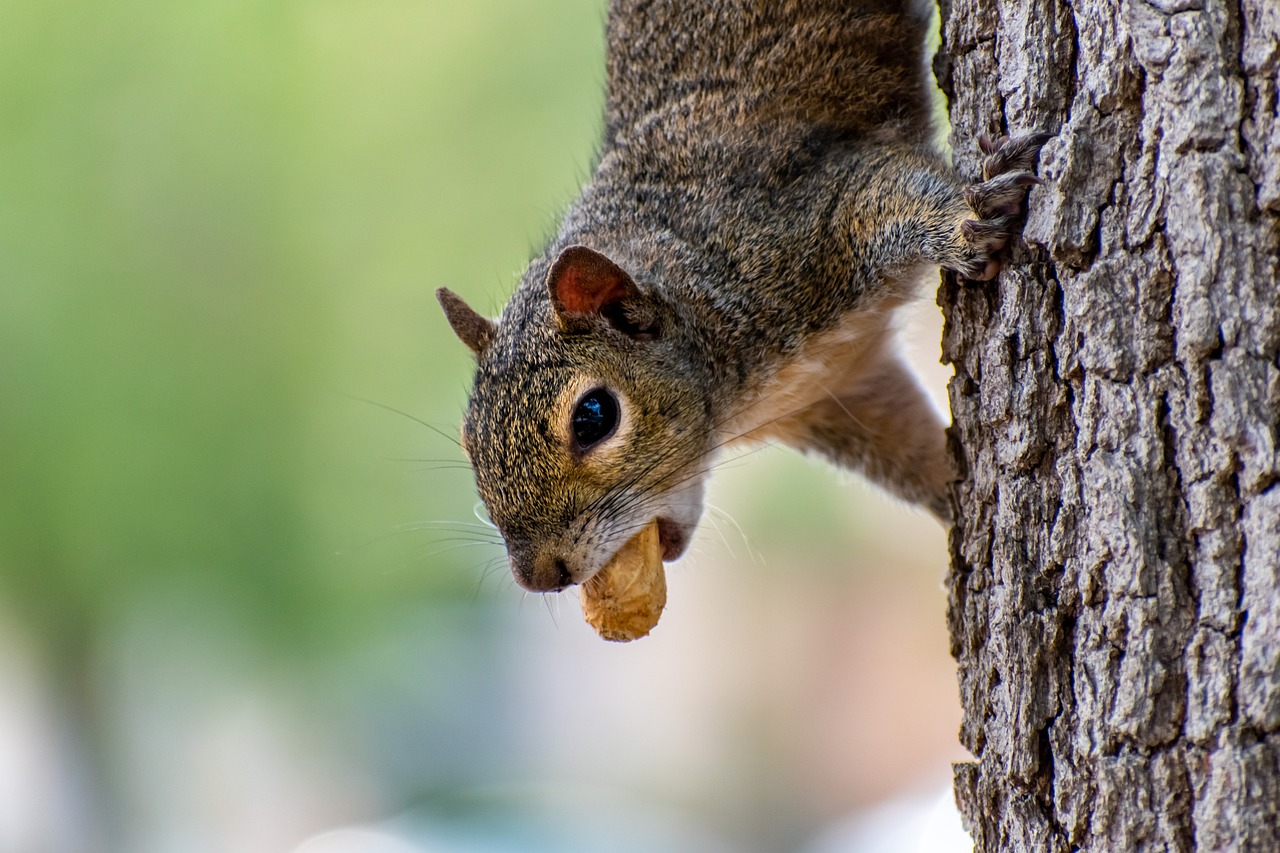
(1115, 585)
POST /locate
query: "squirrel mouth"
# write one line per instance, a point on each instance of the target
(673, 537)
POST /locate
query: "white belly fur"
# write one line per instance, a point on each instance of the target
(829, 365)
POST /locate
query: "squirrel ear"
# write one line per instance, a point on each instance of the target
(472, 329)
(582, 283)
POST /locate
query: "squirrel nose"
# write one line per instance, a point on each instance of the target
(547, 573)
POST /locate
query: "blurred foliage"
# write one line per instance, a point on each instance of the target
(220, 223)
(221, 226)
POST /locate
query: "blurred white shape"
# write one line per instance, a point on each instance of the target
(917, 824)
(42, 787)
(522, 818)
(359, 841)
(366, 840)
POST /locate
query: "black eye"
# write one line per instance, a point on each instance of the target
(595, 417)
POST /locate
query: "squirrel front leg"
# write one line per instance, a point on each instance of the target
(915, 209)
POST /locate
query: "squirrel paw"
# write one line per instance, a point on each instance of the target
(998, 204)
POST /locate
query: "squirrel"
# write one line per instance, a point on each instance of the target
(765, 196)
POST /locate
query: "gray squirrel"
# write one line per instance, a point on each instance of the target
(766, 195)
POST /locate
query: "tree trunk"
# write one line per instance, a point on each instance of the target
(1115, 581)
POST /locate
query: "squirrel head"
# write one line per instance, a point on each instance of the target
(584, 422)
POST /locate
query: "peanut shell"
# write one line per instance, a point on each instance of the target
(624, 599)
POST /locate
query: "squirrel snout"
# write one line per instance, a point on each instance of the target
(546, 572)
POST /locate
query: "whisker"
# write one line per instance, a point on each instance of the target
(546, 599)
(753, 551)
(416, 420)
(441, 551)
(474, 533)
(455, 523)
(843, 407)
(488, 568)
(719, 532)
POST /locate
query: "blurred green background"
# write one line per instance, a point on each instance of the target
(243, 595)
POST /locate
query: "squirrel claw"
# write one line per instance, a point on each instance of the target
(989, 146)
(988, 235)
(1002, 196)
(999, 202)
(1011, 154)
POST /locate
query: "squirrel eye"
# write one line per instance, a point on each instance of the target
(595, 417)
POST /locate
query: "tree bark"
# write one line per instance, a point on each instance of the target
(1115, 580)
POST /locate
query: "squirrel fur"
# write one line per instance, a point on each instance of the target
(765, 197)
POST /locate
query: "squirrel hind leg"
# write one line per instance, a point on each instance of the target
(998, 204)
(884, 428)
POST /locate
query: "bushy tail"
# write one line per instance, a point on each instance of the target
(847, 66)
